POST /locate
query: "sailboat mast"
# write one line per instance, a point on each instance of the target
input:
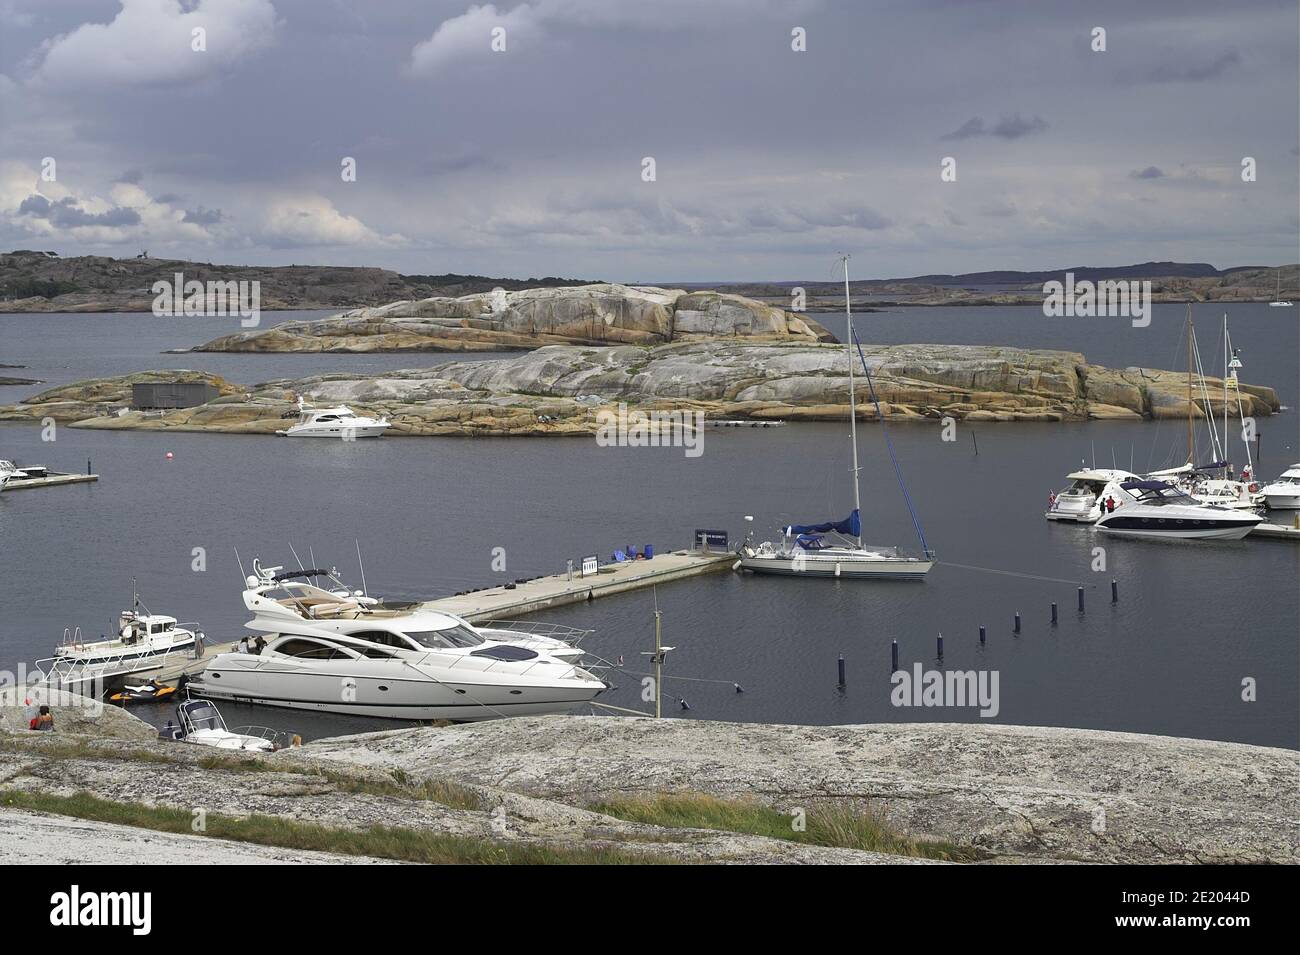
(853, 406)
(1227, 358)
(1190, 438)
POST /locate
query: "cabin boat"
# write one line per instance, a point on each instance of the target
(338, 422)
(1156, 509)
(139, 636)
(317, 669)
(1081, 500)
(1284, 493)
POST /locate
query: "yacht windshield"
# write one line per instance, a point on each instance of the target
(457, 636)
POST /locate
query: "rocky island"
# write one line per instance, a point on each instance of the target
(652, 349)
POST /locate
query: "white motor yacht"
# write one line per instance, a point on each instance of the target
(8, 470)
(805, 551)
(1081, 500)
(140, 634)
(1284, 493)
(338, 422)
(1156, 509)
(282, 601)
(318, 669)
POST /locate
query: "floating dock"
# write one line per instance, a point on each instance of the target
(1283, 531)
(560, 589)
(538, 594)
(51, 479)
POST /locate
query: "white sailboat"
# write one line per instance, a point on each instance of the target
(804, 549)
(1279, 302)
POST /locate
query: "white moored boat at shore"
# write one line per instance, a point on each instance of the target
(1284, 493)
(337, 422)
(140, 634)
(339, 651)
(1155, 509)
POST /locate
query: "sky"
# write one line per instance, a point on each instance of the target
(768, 160)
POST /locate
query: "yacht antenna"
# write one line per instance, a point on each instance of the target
(659, 654)
(853, 407)
(296, 557)
(363, 569)
(242, 576)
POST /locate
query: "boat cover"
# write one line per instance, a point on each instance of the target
(851, 525)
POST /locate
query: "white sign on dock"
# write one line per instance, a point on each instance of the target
(590, 565)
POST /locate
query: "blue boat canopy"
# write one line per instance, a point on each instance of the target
(851, 525)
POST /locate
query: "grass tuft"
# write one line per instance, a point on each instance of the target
(829, 824)
(385, 842)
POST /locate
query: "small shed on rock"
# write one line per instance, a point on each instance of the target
(171, 394)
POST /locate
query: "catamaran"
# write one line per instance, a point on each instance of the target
(805, 550)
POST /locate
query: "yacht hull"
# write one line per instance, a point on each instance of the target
(390, 698)
(859, 568)
(1137, 527)
(373, 431)
(1280, 502)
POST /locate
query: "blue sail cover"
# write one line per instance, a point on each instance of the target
(851, 525)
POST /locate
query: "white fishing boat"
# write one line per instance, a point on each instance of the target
(140, 634)
(337, 422)
(805, 549)
(1081, 501)
(1156, 509)
(1284, 493)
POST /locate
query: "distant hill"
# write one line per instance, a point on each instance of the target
(39, 281)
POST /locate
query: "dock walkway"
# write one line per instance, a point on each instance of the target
(52, 479)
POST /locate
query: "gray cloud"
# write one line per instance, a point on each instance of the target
(66, 214)
(1014, 126)
(1178, 71)
(202, 216)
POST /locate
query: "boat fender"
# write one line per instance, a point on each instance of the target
(736, 566)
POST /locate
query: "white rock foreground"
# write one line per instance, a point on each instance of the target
(1012, 793)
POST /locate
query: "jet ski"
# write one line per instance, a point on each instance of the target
(147, 692)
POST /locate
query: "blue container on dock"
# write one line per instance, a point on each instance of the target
(649, 551)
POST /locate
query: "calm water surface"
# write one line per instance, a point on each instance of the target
(1192, 622)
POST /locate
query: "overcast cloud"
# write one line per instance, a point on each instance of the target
(768, 161)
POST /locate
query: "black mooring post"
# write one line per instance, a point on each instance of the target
(1080, 600)
(1017, 629)
(1114, 591)
(893, 653)
(841, 669)
(1053, 613)
(941, 646)
(981, 635)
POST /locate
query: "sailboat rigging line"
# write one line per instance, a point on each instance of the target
(1016, 573)
(889, 444)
